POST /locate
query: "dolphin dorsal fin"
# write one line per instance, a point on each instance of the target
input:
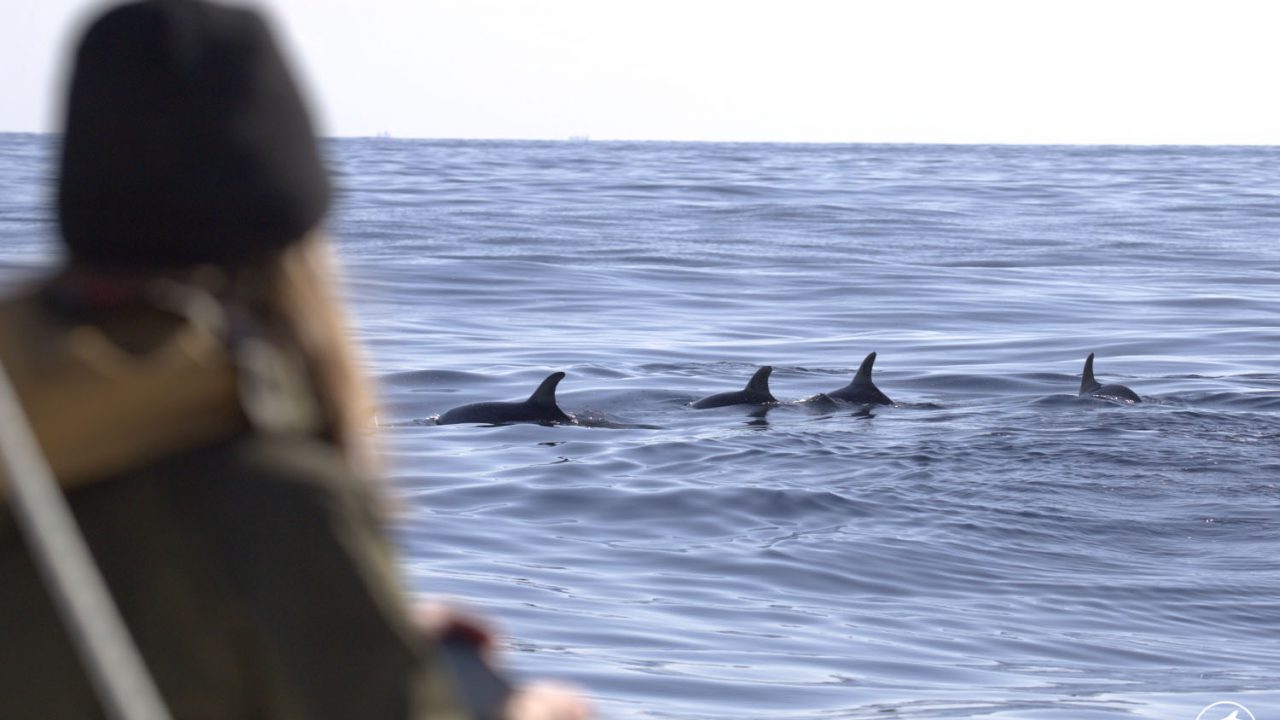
(863, 375)
(545, 395)
(760, 381)
(1087, 383)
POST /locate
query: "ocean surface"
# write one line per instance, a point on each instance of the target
(990, 546)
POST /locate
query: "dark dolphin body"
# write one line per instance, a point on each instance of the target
(861, 389)
(755, 393)
(539, 408)
(1089, 387)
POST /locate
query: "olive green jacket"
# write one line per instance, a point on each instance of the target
(251, 568)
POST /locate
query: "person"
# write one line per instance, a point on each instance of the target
(187, 373)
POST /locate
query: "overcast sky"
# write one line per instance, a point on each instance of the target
(1011, 71)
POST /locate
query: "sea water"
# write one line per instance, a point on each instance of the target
(991, 546)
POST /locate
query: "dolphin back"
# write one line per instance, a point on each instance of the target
(756, 392)
(862, 389)
(1089, 386)
(541, 407)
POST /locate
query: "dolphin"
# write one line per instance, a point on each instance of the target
(541, 407)
(861, 389)
(755, 393)
(1089, 387)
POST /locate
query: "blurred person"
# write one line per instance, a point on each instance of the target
(188, 374)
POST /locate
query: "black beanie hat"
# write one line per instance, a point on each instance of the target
(186, 140)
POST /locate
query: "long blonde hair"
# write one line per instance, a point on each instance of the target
(294, 293)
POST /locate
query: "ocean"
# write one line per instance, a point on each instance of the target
(990, 546)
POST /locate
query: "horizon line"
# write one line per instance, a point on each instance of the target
(587, 139)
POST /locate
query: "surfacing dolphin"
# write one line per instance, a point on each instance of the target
(861, 389)
(541, 407)
(755, 393)
(1089, 387)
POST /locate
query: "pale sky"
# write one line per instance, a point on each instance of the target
(1007, 71)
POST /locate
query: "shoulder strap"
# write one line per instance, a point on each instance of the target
(114, 664)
